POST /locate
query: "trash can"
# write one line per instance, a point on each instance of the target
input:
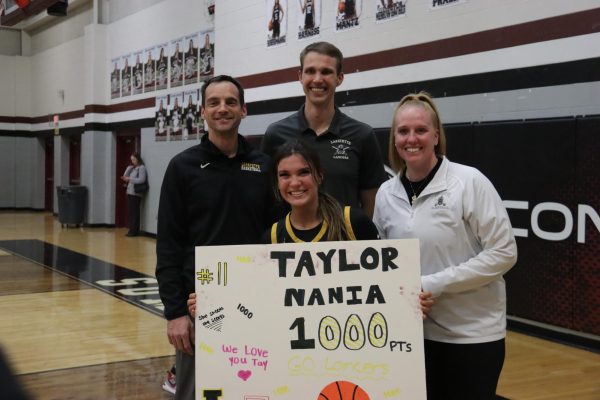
(71, 204)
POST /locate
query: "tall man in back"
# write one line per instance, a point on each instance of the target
(349, 152)
(215, 193)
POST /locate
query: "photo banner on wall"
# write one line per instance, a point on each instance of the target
(309, 19)
(307, 320)
(161, 118)
(115, 79)
(176, 62)
(347, 14)
(137, 75)
(125, 75)
(149, 70)
(175, 116)
(190, 59)
(387, 10)
(276, 22)
(190, 115)
(207, 55)
(162, 66)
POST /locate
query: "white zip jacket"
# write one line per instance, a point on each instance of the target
(466, 243)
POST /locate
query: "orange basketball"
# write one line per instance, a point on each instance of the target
(270, 24)
(342, 6)
(343, 390)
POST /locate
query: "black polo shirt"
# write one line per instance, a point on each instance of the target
(208, 199)
(349, 153)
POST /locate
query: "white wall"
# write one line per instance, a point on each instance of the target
(156, 156)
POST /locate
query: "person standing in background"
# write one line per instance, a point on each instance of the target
(134, 174)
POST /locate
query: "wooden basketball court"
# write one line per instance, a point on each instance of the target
(81, 319)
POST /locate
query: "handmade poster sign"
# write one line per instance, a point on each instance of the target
(305, 321)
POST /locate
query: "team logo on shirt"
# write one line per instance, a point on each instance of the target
(246, 166)
(440, 203)
(341, 147)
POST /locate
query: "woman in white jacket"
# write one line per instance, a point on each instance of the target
(466, 243)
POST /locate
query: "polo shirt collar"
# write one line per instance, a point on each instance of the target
(334, 127)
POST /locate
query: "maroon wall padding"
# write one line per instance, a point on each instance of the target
(555, 160)
(586, 308)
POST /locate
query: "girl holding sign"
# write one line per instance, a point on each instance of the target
(315, 216)
(467, 245)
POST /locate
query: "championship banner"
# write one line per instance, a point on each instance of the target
(327, 320)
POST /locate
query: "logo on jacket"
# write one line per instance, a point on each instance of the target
(341, 146)
(246, 166)
(440, 202)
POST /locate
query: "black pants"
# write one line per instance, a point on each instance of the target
(133, 213)
(463, 371)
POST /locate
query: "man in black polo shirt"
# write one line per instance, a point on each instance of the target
(215, 193)
(351, 158)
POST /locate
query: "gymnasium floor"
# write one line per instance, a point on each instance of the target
(81, 319)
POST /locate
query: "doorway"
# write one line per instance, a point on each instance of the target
(128, 142)
(49, 174)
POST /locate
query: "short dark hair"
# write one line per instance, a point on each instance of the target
(326, 49)
(223, 78)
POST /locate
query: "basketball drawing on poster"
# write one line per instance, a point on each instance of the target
(125, 76)
(276, 24)
(149, 70)
(161, 118)
(331, 318)
(347, 14)
(137, 75)
(162, 66)
(176, 62)
(190, 115)
(309, 19)
(207, 55)
(175, 116)
(115, 79)
(387, 10)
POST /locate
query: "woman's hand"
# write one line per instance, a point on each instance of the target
(192, 304)
(426, 299)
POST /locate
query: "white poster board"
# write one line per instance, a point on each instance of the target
(292, 321)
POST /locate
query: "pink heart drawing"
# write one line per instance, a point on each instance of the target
(244, 374)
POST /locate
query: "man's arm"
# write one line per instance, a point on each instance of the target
(170, 256)
(367, 201)
(372, 173)
(170, 244)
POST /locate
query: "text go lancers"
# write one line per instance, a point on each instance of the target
(304, 264)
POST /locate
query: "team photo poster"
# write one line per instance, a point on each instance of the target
(303, 321)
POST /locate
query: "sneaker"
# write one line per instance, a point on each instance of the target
(169, 383)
